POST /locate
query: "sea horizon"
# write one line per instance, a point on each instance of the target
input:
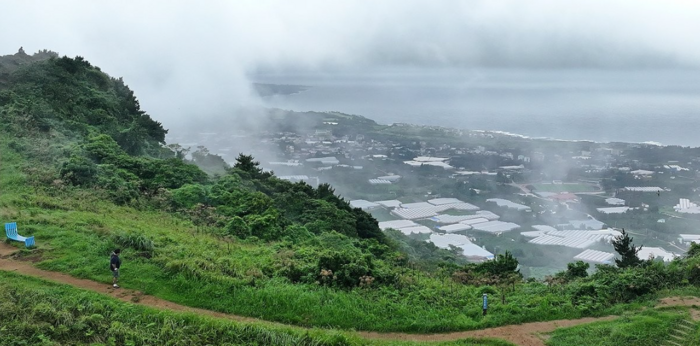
(636, 106)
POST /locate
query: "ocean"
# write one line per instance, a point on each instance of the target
(660, 106)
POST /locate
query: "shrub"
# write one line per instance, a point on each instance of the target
(238, 227)
(134, 241)
(78, 170)
(188, 196)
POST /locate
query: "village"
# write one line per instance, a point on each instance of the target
(479, 193)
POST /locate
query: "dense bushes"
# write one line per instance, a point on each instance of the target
(71, 93)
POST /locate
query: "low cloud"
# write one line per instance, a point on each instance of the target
(192, 59)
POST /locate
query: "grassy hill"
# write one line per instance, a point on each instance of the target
(85, 170)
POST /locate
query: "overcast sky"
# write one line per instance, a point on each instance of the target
(185, 58)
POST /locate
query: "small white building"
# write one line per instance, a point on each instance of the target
(643, 189)
(689, 238)
(508, 204)
(642, 172)
(686, 206)
(613, 210)
(615, 201)
(330, 160)
(391, 178)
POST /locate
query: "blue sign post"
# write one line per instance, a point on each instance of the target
(486, 303)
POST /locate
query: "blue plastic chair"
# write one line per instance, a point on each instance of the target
(11, 232)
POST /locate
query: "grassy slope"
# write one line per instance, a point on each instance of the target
(650, 327)
(76, 228)
(39, 312)
(74, 231)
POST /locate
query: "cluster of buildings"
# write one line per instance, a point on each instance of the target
(446, 217)
(441, 220)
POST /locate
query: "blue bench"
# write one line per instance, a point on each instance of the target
(11, 232)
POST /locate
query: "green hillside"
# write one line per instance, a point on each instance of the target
(85, 170)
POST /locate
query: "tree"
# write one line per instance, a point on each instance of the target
(628, 252)
(577, 270)
(180, 152)
(247, 163)
(501, 266)
(693, 251)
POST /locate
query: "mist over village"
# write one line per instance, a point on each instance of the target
(350, 173)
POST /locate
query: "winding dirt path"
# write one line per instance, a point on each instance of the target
(527, 334)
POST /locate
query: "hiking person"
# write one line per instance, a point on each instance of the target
(486, 303)
(114, 263)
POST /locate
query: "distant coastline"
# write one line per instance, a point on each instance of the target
(497, 133)
(267, 90)
(602, 106)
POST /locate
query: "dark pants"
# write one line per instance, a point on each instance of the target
(484, 312)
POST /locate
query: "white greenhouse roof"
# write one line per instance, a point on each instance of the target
(506, 203)
(649, 252)
(444, 241)
(487, 214)
(474, 221)
(455, 228)
(615, 201)
(441, 201)
(588, 223)
(379, 182)
(443, 218)
(416, 230)
(396, 224)
(579, 243)
(533, 234)
(412, 214)
(472, 250)
(392, 203)
(469, 249)
(586, 233)
(495, 226)
(416, 205)
(595, 256)
(459, 206)
(390, 177)
(363, 204)
(643, 188)
(689, 237)
(430, 159)
(544, 228)
(429, 163)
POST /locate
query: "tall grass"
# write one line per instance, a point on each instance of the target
(650, 327)
(35, 312)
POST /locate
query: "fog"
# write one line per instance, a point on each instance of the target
(186, 60)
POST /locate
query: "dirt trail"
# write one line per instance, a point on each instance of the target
(527, 334)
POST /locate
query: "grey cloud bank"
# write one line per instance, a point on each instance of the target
(192, 59)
